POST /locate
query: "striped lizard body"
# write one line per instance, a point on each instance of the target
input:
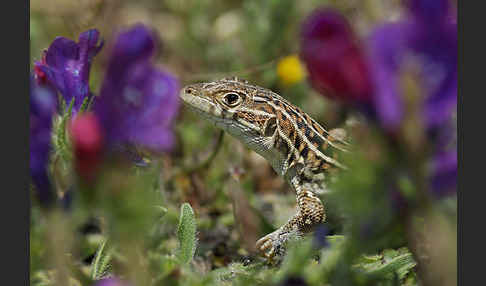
(297, 147)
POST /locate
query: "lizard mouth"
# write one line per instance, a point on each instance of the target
(199, 104)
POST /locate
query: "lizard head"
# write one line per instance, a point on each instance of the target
(230, 103)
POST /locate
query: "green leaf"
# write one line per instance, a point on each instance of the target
(401, 264)
(61, 140)
(161, 211)
(296, 259)
(85, 105)
(70, 108)
(101, 263)
(232, 271)
(393, 261)
(186, 233)
(62, 102)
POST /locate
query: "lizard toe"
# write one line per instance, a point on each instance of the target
(267, 246)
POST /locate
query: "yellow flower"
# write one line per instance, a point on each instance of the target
(290, 70)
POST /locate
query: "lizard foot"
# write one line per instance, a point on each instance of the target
(271, 245)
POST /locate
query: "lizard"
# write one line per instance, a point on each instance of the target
(297, 147)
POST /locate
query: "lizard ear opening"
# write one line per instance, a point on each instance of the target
(270, 127)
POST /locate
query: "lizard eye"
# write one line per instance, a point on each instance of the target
(232, 99)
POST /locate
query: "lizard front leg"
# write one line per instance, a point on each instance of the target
(310, 212)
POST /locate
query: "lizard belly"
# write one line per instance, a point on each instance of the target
(264, 147)
(260, 144)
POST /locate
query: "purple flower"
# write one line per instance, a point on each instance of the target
(334, 59)
(137, 102)
(320, 234)
(66, 65)
(42, 108)
(444, 173)
(110, 282)
(425, 42)
(431, 13)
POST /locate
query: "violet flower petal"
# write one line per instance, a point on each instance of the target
(137, 102)
(430, 13)
(42, 108)
(430, 40)
(320, 239)
(110, 282)
(67, 65)
(444, 176)
(387, 48)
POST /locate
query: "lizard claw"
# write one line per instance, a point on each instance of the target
(267, 246)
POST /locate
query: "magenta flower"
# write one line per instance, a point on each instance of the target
(87, 141)
(333, 57)
(110, 282)
(42, 108)
(66, 65)
(138, 101)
